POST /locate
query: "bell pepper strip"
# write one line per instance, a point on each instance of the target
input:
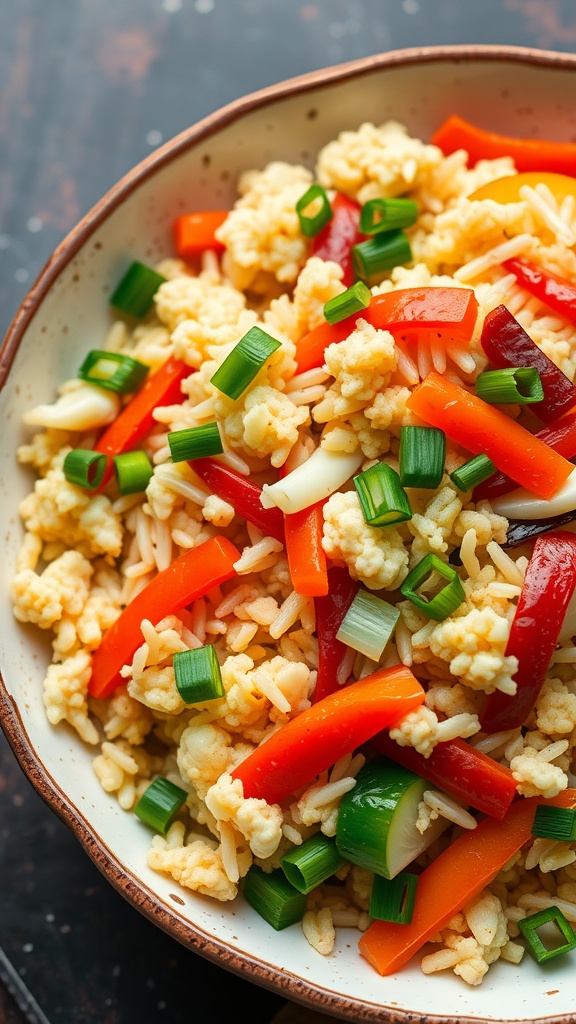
(335, 240)
(454, 878)
(507, 190)
(189, 577)
(459, 769)
(330, 610)
(193, 233)
(243, 494)
(306, 557)
(528, 154)
(482, 428)
(555, 291)
(548, 586)
(336, 725)
(311, 346)
(506, 343)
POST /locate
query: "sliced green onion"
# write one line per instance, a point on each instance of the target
(422, 456)
(314, 210)
(84, 467)
(133, 472)
(274, 898)
(160, 803)
(518, 385)
(354, 299)
(382, 497)
(135, 293)
(473, 472)
(555, 823)
(113, 371)
(385, 214)
(393, 899)
(372, 258)
(443, 603)
(539, 950)
(308, 865)
(368, 624)
(197, 675)
(195, 442)
(242, 364)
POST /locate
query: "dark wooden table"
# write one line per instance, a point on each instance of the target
(88, 88)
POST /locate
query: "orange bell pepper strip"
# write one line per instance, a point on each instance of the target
(306, 557)
(193, 233)
(190, 576)
(336, 725)
(452, 880)
(481, 428)
(528, 154)
(507, 190)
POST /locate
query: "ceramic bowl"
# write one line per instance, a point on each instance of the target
(511, 90)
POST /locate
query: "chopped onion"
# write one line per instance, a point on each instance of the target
(84, 408)
(522, 504)
(322, 474)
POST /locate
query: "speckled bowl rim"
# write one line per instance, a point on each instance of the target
(134, 891)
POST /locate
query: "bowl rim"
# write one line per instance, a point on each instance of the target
(132, 889)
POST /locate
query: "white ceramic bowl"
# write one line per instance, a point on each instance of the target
(511, 90)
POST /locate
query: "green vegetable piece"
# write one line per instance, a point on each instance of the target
(385, 214)
(133, 472)
(84, 467)
(518, 385)
(422, 456)
(441, 604)
(160, 803)
(310, 864)
(314, 210)
(356, 298)
(243, 363)
(274, 898)
(382, 497)
(535, 943)
(195, 442)
(134, 294)
(473, 472)
(555, 823)
(368, 624)
(393, 899)
(384, 251)
(113, 371)
(197, 675)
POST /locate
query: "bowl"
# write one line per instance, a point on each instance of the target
(512, 90)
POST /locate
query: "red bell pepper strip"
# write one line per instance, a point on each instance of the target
(339, 723)
(335, 240)
(528, 154)
(306, 557)
(330, 610)
(190, 576)
(506, 343)
(193, 233)
(548, 586)
(555, 291)
(457, 768)
(242, 493)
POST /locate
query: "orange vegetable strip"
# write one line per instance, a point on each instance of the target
(190, 576)
(306, 557)
(193, 233)
(452, 880)
(326, 731)
(310, 348)
(528, 154)
(481, 428)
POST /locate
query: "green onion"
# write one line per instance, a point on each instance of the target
(308, 865)
(160, 803)
(274, 898)
(555, 823)
(197, 675)
(368, 624)
(84, 467)
(314, 210)
(392, 899)
(135, 293)
(385, 214)
(113, 371)
(529, 928)
(520, 385)
(372, 258)
(446, 601)
(240, 367)
(382, 497)
(133, 472)
(354, 299)
(473, 472)
(195, 442)
(422, 456)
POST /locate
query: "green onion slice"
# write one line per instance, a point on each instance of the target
(134, 294)
(314, 210)
(353, 300)
(368, 624)
(85, 467)
(385, 214)
(518, 385)
(113, 371)
(242, 364)
(273, 897)
(393, 899)
(536, 946)
(443, 603)
(422, 456)
(308, 865)
(473, 472)
(133, 472)
(382, 497)
(195, 442)
(197, 675)
(160, 803)
(555, 823)
(373, 257)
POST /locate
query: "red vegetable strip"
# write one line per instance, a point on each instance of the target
(480, 427)
(561, 436)
(193, 233)
(242, 493)
(336, 239)
(558, 293)
(528, 154)
(190, 576)
(306, 557)
(548, 586)
(330, 610)
(452, 880)
(336, 725)
(310, 348)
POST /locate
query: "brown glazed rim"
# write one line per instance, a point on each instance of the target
(134, 891)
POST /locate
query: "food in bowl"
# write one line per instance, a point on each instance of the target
(305, 588)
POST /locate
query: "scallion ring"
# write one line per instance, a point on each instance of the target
(195, 442)
(314, 210)
(133, 472)
(197, 675)
(536, 947)
(134, 294)
(160, 803)
(393, 899)
(113, 371)
(373, 257)
(473, 472)
(386, 214)
(243, 363)
(557, 823)
(273, 897)
(311, 863)
(511, 385)
(422, 456)
(368, 624)
(382, 497)
(353, 300)
(84, 467)
(447, 600)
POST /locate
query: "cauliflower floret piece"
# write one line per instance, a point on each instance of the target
(218, 511)
(422, 730)
(43, 451)
(205, 753)
(536, 776)
(260, 823)
(65, 695)
(451, 698)
(203, 301)
(156, 688)
(375, 556)
(474, 645)
(255, 696)
(361, 366)
(466, 230)
(61, 589)
(319, 281)
(388, 410)
(556, 709)
(264, 423)
(197, 866)
(432, 529)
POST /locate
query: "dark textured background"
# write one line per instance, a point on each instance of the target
(87, 89)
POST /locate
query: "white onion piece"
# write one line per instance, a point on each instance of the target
(84, 408)
(522, 504)
(322, 474)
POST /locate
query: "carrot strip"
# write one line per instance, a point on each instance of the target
(306, 558)
(193, 233)
(528, 154)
